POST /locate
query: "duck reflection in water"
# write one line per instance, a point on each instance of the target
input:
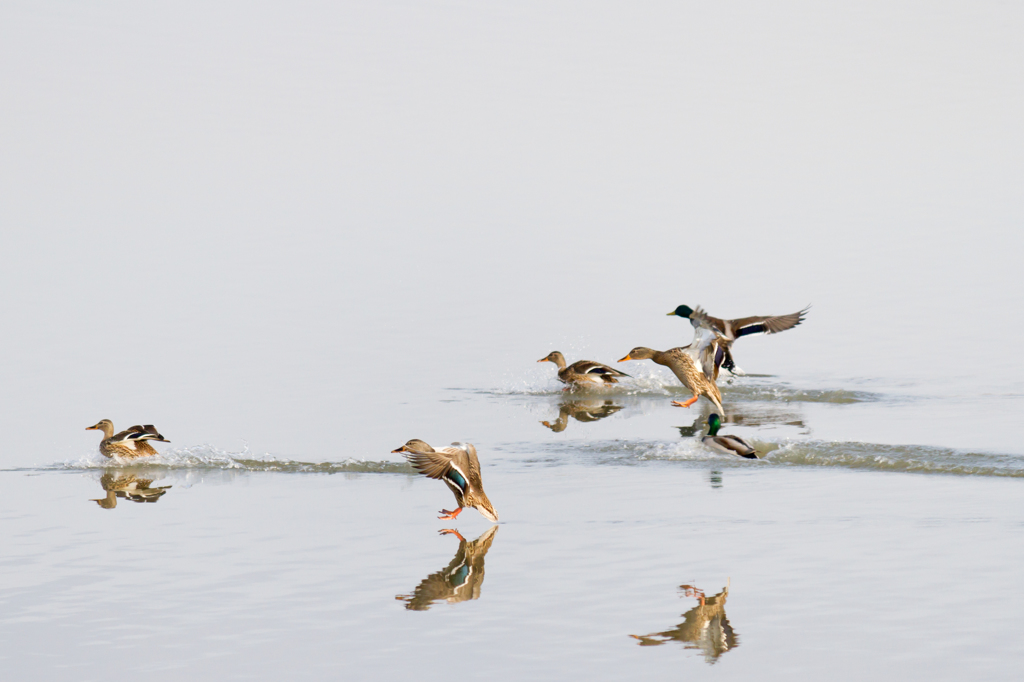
(704, 627)
(119, 483)
(459, 581)
(582, 411)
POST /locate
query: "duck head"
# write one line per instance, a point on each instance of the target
(555, 357)
(486, 509)
(415, 445)
(104, 425)
(682, 311)
(639, 353)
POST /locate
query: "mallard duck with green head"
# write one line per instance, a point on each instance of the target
(732, 330)
(727, 445)
(459, 468)
(128, 444)
(583, 372)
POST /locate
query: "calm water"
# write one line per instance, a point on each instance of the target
(294, 237)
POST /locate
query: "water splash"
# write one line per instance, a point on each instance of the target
(650, 382)
(804, 453)
(210, 458)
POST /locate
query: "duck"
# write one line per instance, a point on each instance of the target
(128, 444)
(731, 330)
(727, 445)
(693, 365)
(704, 627)
(583, 372)
(583, 411)
(128, 486)
(460, 581)
(459, 468)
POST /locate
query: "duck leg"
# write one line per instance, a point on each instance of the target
(689, 402)
(691, 591)
(452, 531)
(450, 514)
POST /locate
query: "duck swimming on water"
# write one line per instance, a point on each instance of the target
(583, 372)
(128, 444)
(727, 445)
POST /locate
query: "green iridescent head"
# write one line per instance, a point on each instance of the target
(714, 423)
(682, 311)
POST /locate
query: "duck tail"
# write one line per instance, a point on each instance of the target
(716, 397)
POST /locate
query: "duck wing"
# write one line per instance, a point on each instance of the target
(736, 445)
(715, 322)
(440, 465)
(122, 436)
(466, 454)
(591, 367)
(767, 324)
(147, 432)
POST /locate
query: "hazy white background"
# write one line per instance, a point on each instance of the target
(274, 221)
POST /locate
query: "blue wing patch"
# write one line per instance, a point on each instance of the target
(455, 477)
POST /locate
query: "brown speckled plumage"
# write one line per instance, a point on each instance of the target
(583, 372)
(685, 369)
(459, 468)
(128, 444)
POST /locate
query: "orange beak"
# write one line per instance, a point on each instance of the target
(90, 428)
(625, 358)
(401, 449)
(543, 360)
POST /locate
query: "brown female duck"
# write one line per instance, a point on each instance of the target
(459, 468)
(583, 372)
(128, 444)
(693, 365)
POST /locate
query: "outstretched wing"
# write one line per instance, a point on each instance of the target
(704, 350)
(767, 324)
(591, 367)
(438, 464)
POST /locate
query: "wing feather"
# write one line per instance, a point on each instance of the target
(430, 464)
(703, 350)
(591, 367)
(737, 445)
(147, 432)
(474, 465)
(767, 324)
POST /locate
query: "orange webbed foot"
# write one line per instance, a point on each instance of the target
(689, 402)
(446, 514)
(452, 531)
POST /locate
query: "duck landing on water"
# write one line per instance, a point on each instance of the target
(128, 444)
(583, 372)
(459, 468)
